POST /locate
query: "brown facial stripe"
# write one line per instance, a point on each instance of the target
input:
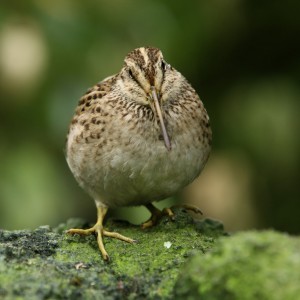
(150, 74)
(137, 56)
(153, 55)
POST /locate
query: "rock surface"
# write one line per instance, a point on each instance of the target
(184, 259)
(48, 264)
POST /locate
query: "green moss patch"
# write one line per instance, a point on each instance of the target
(248, 265)
(48, 264)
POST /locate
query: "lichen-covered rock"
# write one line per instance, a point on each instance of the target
(48, 264)
(248, 265)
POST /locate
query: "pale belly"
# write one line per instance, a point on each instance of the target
(140, 172)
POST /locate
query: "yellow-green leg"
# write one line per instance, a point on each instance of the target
(98, 228)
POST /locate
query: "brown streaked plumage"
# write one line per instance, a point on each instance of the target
(139, 136)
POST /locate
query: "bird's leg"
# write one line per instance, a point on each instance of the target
(98, 228)
(157, 214)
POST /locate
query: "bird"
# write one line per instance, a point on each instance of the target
(138, 136)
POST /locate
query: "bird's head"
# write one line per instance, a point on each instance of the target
(143, 75)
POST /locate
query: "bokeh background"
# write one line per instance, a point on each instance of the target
(242, 56)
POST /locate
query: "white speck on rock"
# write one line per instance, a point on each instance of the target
(167, 245)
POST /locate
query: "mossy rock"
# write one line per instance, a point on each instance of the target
(48, 264)
(248, 265)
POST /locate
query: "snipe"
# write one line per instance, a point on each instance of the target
(139, 136)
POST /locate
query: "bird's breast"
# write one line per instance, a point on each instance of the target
(128, 164)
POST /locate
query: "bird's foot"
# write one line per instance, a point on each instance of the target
(100, 231)
(189, 207)
(156, 214)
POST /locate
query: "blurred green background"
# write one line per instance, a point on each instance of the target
(243, 58)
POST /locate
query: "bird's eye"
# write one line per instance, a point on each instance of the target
(130, 74)
(165, 66)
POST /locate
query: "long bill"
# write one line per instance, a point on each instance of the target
(160, 117)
